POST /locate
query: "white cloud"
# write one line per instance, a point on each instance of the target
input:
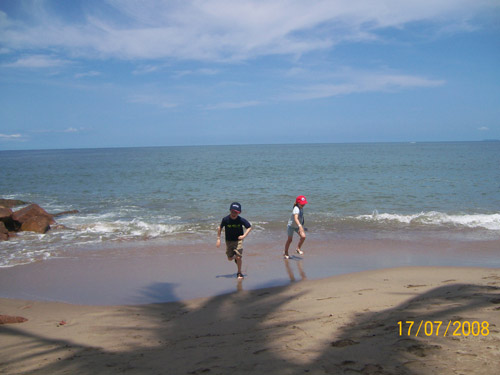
(10, 136)
(67, 130)
(92, 73)
(226, 29)
(359, 82)
(483, 128)
(234, 105)
(37, 61)
(146, 69)
(203, 72)
(157, 101)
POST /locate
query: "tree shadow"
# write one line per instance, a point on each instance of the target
(376, 343)
(160, 292)
(261, 331)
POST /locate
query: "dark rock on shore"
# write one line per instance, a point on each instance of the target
(33, 210)
(8, 319)
(38, 224)
(4, 233)
(6, 220)
(9, 203)
(5, 212)
(31, 218)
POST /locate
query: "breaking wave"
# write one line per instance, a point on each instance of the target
(434, 218)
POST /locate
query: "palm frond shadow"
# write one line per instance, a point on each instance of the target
(257, 332)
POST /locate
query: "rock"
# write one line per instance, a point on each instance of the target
(6, 219)
(4, 233)
(9, 203)
(11, 225)
(38, 224)
(32, 218)
(5, 213)
(31, 211)
(7, 319)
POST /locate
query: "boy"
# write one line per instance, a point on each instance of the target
(234, 235)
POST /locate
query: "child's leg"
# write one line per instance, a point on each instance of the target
(238, 253)
(238, 263)
(290, 231)
(301, 241)
(287, 244)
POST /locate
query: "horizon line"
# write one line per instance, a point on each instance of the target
(251, 144)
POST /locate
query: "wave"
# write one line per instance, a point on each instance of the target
(435, 218)
(130, 229)
(78, 232)
(87, 231)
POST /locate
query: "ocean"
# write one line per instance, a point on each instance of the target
(169, 196)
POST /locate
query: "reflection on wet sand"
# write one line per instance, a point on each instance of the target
(290, 271)
(239, 285)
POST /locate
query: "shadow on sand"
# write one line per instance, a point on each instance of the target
(256, 332)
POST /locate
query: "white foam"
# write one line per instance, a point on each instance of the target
(130, 229)
(23, 256)
(486, 221)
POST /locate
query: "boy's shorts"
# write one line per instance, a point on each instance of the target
(234, 248)
(291, 229)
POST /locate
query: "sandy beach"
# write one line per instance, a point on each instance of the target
(346, 324)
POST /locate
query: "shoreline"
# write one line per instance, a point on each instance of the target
(154, 274)
(341, 324)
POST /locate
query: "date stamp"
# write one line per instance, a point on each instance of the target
(441, 328)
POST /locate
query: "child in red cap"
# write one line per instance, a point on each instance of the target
(295, 224)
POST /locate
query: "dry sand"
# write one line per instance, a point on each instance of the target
(345, 324)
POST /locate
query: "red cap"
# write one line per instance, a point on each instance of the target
(301, 200)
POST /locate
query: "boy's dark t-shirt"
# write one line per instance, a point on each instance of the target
(234, 228)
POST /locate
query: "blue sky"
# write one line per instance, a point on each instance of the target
(114, 73)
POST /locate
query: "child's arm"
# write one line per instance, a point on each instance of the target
(296, 218)
(219, 230)
(242, 237)
(301, 228)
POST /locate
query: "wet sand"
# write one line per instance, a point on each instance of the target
(149, 274)
(346, 324)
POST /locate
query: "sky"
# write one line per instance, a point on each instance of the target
(123, 73)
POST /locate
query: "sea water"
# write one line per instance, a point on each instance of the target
(178, 195)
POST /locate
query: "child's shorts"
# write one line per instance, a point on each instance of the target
(234, 248)
(291, 229)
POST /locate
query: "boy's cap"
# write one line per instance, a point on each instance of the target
(301, 200)
(235, 206)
